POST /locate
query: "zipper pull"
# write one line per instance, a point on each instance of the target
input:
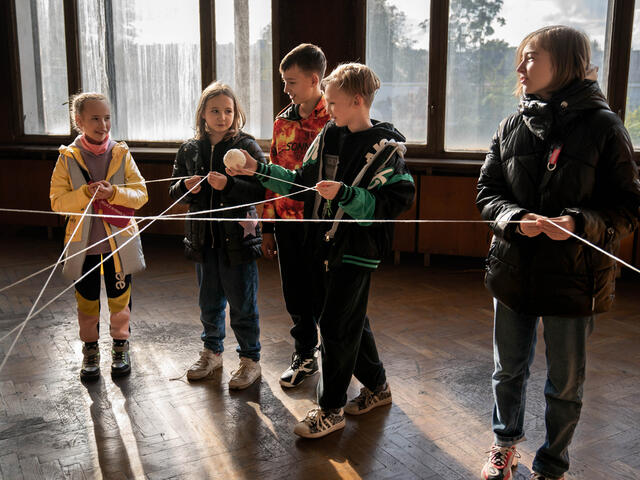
(326, 265)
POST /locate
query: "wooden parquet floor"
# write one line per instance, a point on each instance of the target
(433, 330)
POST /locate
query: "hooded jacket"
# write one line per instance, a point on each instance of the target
(595, 180)
(240, 240)
(68, 193)
(376, 185)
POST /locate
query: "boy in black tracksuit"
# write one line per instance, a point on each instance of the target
(359, 172)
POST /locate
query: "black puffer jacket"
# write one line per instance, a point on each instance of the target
(595, 181)
(241, 242)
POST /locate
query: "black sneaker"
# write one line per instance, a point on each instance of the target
(90, 362)
(301, 368)
(120, 359)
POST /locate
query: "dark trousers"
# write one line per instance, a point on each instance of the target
(295, 274)
(348, 346)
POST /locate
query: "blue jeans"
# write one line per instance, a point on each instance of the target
(514, 343)
(220, 282)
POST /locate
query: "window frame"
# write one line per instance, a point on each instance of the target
(74, 80)
(617, 71)
(431, 153)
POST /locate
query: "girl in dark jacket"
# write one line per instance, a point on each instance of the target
(225, 251)
(564, 159)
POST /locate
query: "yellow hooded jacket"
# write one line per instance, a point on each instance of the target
(69, 193)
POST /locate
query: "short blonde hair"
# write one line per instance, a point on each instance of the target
(354, 79)
(77, 103)
(213, 90)
(569, 50)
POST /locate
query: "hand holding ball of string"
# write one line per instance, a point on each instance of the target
(239, 162)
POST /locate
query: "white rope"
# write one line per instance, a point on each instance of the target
(144, 182)
(68, 258)
(587, 242)
(31, 314)
(179, 216)
(187, 215)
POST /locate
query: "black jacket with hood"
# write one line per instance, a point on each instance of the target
(595, 181)
(376, 185)
(241, 242)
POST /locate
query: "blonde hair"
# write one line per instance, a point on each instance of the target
(77, 103)
(213, 90)
(569, 50)
(354, 79)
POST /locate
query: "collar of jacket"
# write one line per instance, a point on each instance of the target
(292, 111)
(118, 154)
(541, 116)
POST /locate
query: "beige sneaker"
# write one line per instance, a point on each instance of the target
(247, 373)
(319, 423)
(368, 400)
(205, 366)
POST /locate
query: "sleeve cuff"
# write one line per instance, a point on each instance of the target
(115, 192)
(262, 168)
(345, 194)
(231, 181)
(578, 218)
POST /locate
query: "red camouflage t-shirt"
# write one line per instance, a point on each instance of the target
(292, 136)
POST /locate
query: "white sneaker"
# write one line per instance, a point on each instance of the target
(319, 423)
(247, 373)
(205, 366)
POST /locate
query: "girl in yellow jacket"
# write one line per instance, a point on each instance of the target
(95, 164)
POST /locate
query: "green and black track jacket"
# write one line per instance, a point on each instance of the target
(376, 186)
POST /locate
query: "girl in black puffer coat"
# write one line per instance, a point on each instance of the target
(565, 158)
(225, 252)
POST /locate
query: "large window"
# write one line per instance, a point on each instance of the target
(474, 82)
(398, 51)
(483, 37)
(632, 117)
(243, 59)
(43, 65)
(145, 55)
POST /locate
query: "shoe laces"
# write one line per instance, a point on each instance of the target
(314, 418)
(365, 397)
(498, 455)
(92, 359)
(298, 360)
(203, 361)
(119, 356)
(244, 365)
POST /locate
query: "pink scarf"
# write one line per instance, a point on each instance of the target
(95, 148)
